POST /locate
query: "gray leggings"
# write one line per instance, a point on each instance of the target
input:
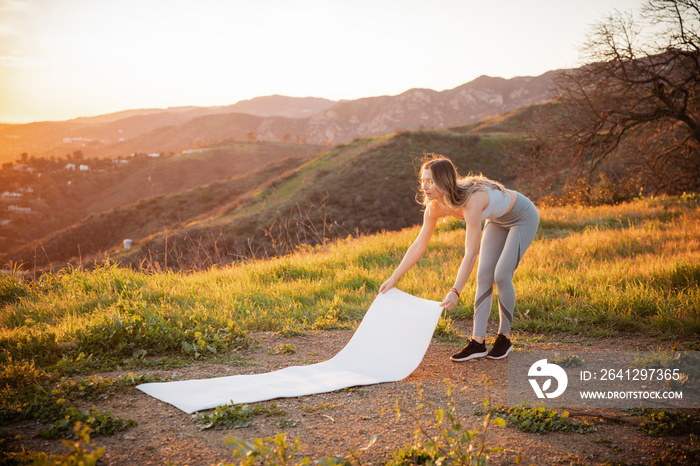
(503, 243)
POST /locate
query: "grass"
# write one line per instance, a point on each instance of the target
(633, 267)
(591, 271)
(595, 272)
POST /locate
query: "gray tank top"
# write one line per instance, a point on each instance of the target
(499, 203)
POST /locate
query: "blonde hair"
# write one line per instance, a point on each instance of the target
(455, 190)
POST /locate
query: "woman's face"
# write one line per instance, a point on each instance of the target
(427, 185)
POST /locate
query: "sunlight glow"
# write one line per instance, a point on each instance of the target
(61, 59)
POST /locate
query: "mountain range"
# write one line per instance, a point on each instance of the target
(257, 183)
(272, 118)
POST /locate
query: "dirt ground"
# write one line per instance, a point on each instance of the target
(335, 423)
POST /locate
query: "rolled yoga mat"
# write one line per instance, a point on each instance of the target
(388, 346)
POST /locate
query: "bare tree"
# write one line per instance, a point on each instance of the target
(631, 111)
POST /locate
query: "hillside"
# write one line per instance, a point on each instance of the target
(98, 233)
(52, 197)
(274, 118)
(365, 186)
(74, 344)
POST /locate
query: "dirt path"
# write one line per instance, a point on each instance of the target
(334, 423)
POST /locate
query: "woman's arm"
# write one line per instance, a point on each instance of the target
(472, 216)
(416, 250)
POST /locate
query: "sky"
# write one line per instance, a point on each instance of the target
(62, 59)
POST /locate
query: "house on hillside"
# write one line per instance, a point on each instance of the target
(70, 140)
(84, 168)
(20, 210)
(24, 168)
(70, 166)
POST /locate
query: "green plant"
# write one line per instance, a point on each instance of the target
(275, 451)
(22, 374)
(225, 417)
(97, 423)
(282, 423)
(687, 361)
(445, 330)
(30, 402)
(268, 451)
(286, 348)
(570, 360)
(77, 452)
(681, 454)
(540, 420)
(29, 392)
(452, 444)
(272, 409)
(664, 422)
(98, 388)
(320, 407)
(235, 416)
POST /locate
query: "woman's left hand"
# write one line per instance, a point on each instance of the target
(450, 300)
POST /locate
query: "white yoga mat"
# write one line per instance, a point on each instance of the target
(388, 345)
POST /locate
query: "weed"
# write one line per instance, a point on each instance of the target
(225, 417)
(268, 410)
(325, 407)
(286, 348)
(22, 374)
(99, 388)
(98, 424)
(77, 452)
(235, 416)
(272, 451)
(664, 422)
(687, 361)
(540, 420)
(31, 393)
(30, 402)
(452, 444)
(282, 423)
(276, 451)
(570, 360)
(360, 391)
(681, 454)
(445, 330)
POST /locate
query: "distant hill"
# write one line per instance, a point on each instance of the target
(279, 105)
(425, 108)
(59, 198)
(364, 186)
(102, 136)
(274, 118)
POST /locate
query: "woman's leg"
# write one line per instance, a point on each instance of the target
(493, 240)
(518, 240)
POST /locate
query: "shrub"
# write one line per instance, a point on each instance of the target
(540, 420)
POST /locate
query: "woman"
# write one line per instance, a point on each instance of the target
(511, 225)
